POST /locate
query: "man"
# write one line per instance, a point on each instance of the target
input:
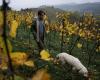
(74, 62)
(38, 29)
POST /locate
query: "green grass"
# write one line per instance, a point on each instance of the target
(25, 42)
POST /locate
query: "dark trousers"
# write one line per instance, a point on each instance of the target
(41, 43)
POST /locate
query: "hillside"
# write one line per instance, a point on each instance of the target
(81, 8)
(91, 7)
(50, 11)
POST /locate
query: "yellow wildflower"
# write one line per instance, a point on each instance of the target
(79, 45)
(45, 55)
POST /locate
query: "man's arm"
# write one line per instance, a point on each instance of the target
(33, 26)
(37, 28)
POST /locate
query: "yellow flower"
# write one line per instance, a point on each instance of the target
(98, 49)
(29, 63)
(45, 55)
(13, 28)
(18, 58)
(4, 68)
(2, 45)
(41, 75)
(3, 64)
(79, 45)
(1, 19)
(81, 33)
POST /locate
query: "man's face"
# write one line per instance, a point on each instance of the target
(41, 17)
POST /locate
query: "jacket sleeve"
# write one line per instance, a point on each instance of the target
(33, 26)
(33, 29)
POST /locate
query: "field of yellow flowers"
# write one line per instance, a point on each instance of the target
(80, 38)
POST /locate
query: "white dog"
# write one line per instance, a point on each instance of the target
(74, 62)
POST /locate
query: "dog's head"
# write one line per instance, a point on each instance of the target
(59, 60)
(56, 60)
(89, 75)
(87, 78)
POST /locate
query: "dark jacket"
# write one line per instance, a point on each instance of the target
(34, 32)
(34, 27)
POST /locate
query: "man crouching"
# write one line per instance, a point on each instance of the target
(74, 62)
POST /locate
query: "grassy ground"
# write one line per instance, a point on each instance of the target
(24, 42)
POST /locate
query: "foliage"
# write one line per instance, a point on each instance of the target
(2, 45)
(80, 38)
